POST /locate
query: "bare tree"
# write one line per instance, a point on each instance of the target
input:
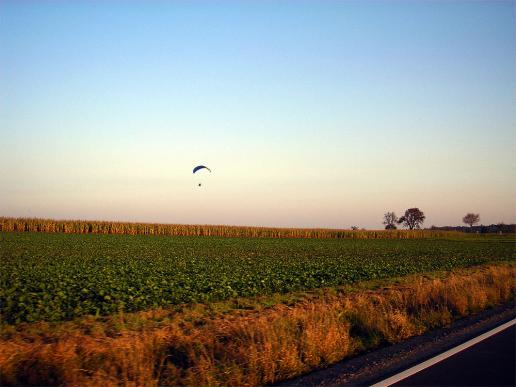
(390, 219)
(471, 219)
(413, 218)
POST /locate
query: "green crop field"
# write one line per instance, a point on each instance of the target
(61, 276)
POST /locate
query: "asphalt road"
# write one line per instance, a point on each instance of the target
(488, 363)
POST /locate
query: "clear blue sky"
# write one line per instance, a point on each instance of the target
(311, 113)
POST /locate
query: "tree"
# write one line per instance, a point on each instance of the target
(471, 219)
(390, 220)
(413, 218)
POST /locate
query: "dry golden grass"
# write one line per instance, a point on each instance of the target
(205, 346)
(104, 227)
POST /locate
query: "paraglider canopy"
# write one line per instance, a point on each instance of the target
(200, 167)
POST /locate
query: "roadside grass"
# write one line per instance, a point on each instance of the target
(247, 341)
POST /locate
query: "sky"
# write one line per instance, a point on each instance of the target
(309, 113)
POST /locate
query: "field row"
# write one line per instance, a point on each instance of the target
(98, 227)
(62, 276)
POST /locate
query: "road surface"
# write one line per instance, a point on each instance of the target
(490, 362)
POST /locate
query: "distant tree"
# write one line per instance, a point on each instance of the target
(413, 218)
(471, 219)
(354, 228)
(390, 219)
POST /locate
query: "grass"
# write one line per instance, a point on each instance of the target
(250, 341)
(60, 276)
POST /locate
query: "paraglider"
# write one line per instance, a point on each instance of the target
(198, 168)
(201, 167)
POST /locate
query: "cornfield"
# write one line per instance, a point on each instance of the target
(126, 228)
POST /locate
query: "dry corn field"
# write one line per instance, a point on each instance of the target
(103, 227)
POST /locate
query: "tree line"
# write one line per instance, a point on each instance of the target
(414, 218)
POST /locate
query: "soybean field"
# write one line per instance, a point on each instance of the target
(54, 277)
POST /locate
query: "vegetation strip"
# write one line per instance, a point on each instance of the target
(57, 277)
(127, 228)
(245, 347)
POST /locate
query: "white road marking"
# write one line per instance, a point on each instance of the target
(430, 362)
